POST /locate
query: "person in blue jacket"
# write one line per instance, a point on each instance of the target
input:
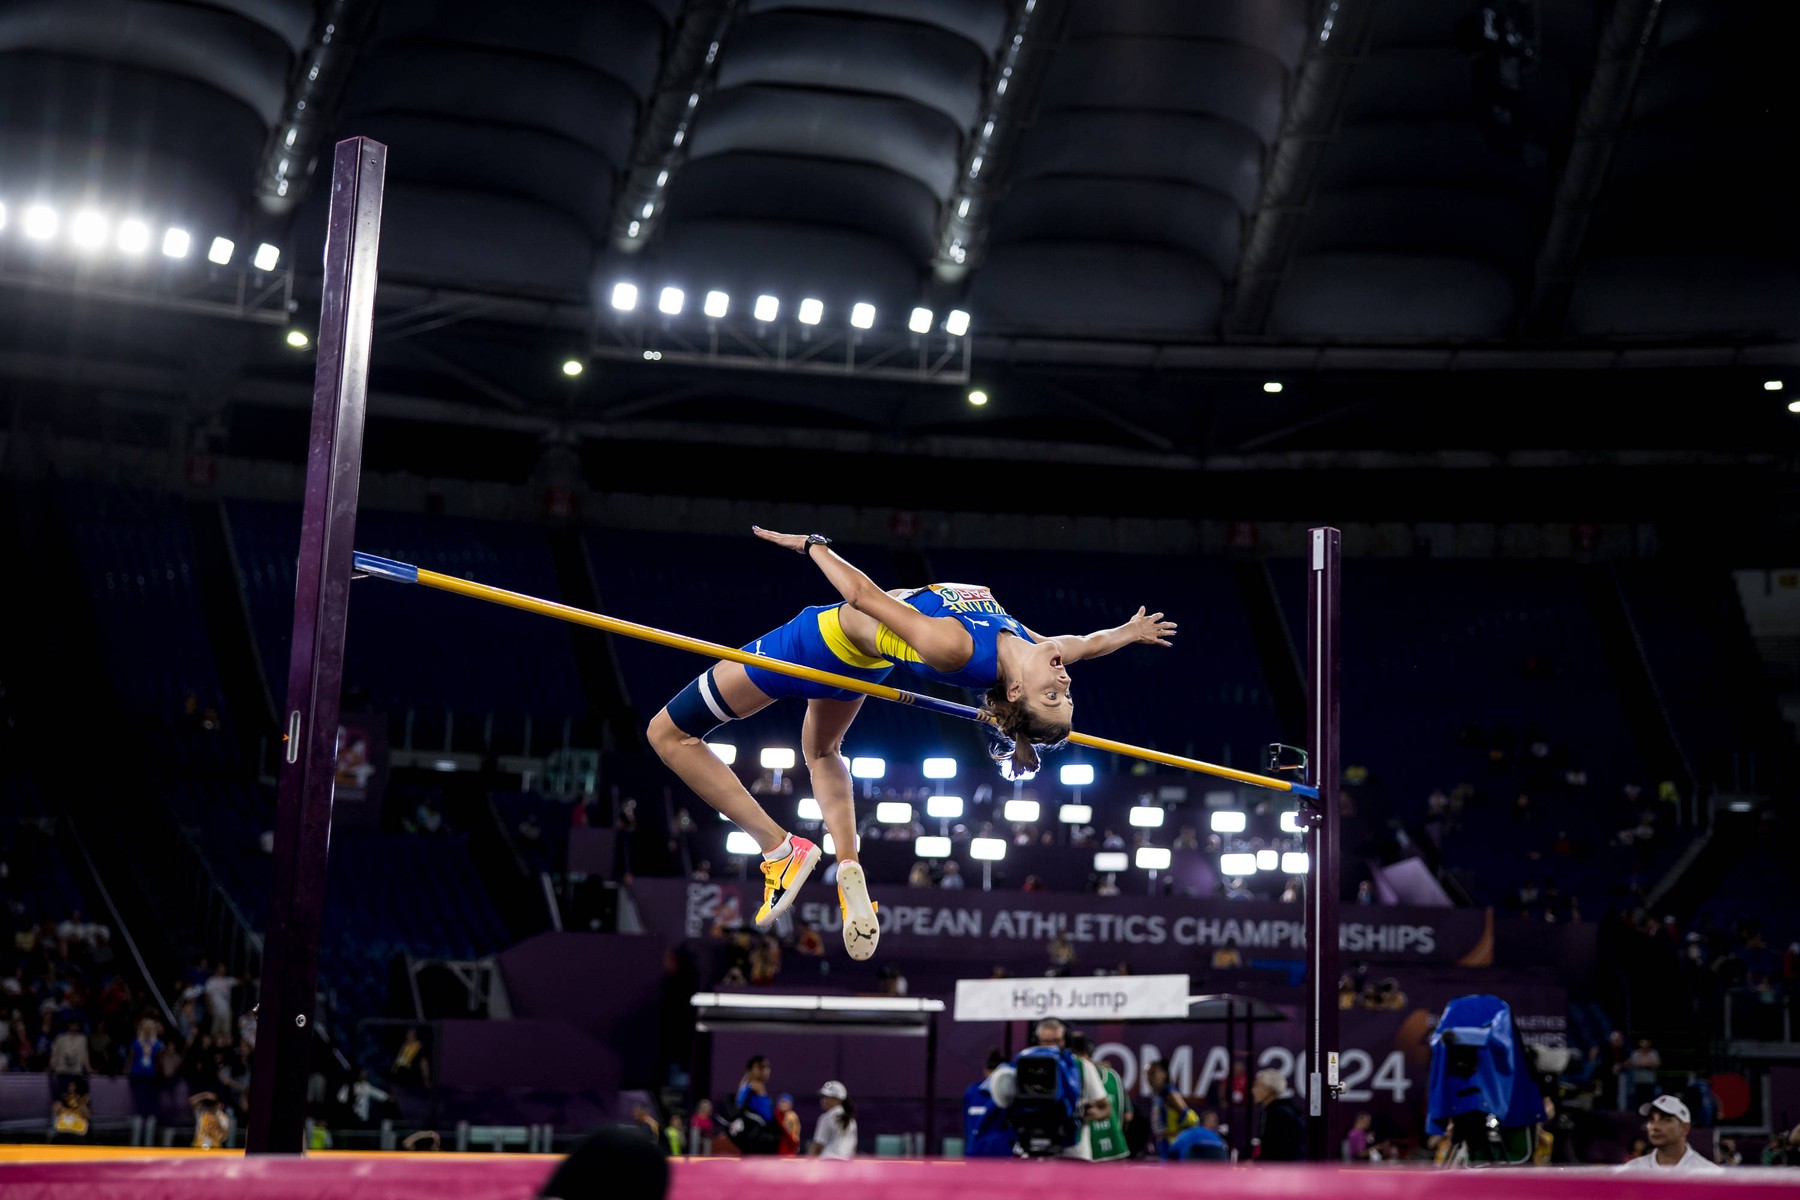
(986, 1132)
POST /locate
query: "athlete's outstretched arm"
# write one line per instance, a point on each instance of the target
(1146, 628)
(942, 642)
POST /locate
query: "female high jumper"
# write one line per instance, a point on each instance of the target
(955, 634)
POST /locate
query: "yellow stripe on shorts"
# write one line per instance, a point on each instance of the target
(831, 628)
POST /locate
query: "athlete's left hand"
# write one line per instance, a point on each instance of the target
(787, 541)
(1150, 628)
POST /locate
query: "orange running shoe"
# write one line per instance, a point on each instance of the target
(862, 932)
(782, 879)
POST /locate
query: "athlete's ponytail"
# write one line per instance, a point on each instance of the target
(1016, 734)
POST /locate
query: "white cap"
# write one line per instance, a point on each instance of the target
(1670, 1105)
(835, 1090)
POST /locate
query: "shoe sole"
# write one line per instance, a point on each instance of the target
(862, 932)
(807, 863)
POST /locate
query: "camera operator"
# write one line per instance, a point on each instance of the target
(1092, 1105)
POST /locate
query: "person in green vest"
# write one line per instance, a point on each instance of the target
(1107, 1135)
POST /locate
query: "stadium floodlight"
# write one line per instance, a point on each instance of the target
(977, 397)
(741, 843)
(716, 305)
(868, 767)
(1290, 823)
(1773, 385)
(1229, 820)
(830, 844)
(725, 752)
(41, 222)
(266, 257)
(1111, 862)
(920, 321)
(221, 250)
(811, 311)
(297, 339)
(777, 758)
(894, 812)
(2, 216)
(670, 301)
(927, 846)
(1296, 862)
(1153, 858)
(1267, 860)
(987, 849)
(1273, 388)
(176, 242)
(87, 229)
(1075, 814)
(1076, 774)
(862, 315)
(957, 323)
(767, 308)
(624, 296)
(573, 367)
(808, 809)
(1024, 812)
(1147, 816)
(133, 237)
(1237, 864)
(940, 768)
(944, 808)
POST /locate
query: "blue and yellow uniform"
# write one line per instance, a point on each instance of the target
(816, 638)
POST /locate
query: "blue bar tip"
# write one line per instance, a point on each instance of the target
(382, 568)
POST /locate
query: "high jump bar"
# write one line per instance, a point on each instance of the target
(399, 572)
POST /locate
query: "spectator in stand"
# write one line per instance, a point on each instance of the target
(144, 1072)
(1187, 839)
(674, 1136)
(986, 1133)
(412, 1065)
(69, 1115)
(788, 1122)
(1360, 1138)
(920, 875)
(893, 982)
(1283, 1136)
(1227, 958)
(765, 961)
(69, 1064)
(753, 1089)
(1033, 884)
(835, 1134)
(1365, 892)
(1667, 1130)
(1062, 954)
(212, 1122)
(359, 1098)
(1112, 841)
(218, 989)
(952, 879)
(640, 1116)
(1640, 1071)
(1169, 1111)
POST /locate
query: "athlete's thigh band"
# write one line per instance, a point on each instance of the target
(699, 709)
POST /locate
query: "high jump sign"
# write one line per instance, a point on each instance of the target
(1105, 998)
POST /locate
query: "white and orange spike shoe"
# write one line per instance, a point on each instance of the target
(862, 931)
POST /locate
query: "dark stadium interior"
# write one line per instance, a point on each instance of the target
(1507, 290)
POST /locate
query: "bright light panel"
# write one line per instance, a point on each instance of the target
(1076, 774)
(957, 323)
(1267, 860)
(777, 758)
(1229, 820)
(830, 844)
(1075, 814)
(1237, 864)
(2, 216)
(1153, 858)
(41, 222)
(808, 809)
(766, 309)
(572, 367)
(944, 808)
(624, 296)
(725, 752)
(862, 316)
(1295, 862)
(893, 812)
(87, 229)
(1772, 385)
(134, 237)
(717, 304)
(221, 251)
(977, 397)
(297, 338)
(920, 321)
(670, 301)
(1023, 811)
(940, 768)
(1272, 387)
(931, 847)
(266, 257)
(1111, 861)
(1290, 823)
(1147, 816)
(868, 768)
(739, 842)
(811, 311)
(1794, 406)
(987, 849)
(176, 243)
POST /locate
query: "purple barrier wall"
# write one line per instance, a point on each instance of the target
(524, 1052)
(603, 984)
(1150, 933)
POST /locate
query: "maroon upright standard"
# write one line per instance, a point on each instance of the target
(290, 960)
(1325, 550)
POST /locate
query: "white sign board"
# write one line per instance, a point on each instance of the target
(1101, 997)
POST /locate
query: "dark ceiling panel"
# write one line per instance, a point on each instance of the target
(1389, 297)
(1110, 289)
(817, 192)
(1196, 220)
(978, 22)
(1200, 150)
(622, 38)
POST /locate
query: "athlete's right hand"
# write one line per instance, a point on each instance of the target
(787, 541)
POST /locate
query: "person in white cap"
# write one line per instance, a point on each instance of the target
(1667, 1132)
(835, 1134)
